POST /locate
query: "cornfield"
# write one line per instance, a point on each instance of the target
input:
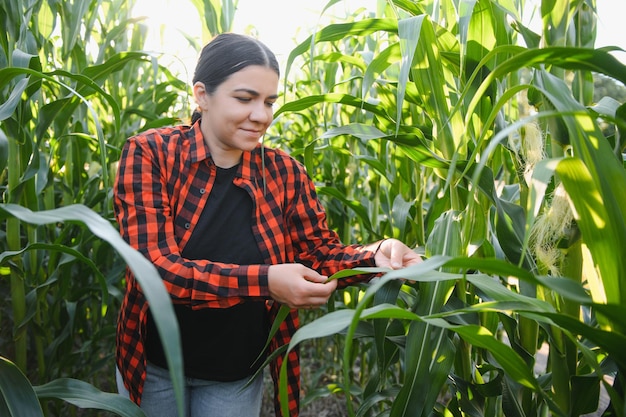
(426, 121)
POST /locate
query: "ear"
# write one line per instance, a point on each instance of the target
(200, 94)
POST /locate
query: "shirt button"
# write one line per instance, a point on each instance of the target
(187, 225)
(202, 191)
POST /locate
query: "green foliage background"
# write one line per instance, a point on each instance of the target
(425, 121)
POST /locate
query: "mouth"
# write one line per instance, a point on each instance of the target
(253, 132)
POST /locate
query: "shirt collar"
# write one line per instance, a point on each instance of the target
(199, 151)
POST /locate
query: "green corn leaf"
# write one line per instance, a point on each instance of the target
(84, 395)
(603, 234)
(409, 31)
(358, 208)
(7, 255)
(595, 60)
(77, 11)
(329, 324)
(8, 107)
(143, 270)
(310, 101)
(381, 62)
(18, 395)
(345, 273)
(359, 130)
(428, 351)
(476, 335)
(339, 31)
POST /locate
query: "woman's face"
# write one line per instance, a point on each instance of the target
(238, 112)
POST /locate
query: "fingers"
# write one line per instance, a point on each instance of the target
(313, 303)
(411, 258)
(320, 287)
(298, 286)
(312, 276)
(395, 255)
(318, 293)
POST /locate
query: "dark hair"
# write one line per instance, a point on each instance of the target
(226, 54)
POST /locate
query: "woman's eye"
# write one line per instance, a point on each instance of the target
(269, 104)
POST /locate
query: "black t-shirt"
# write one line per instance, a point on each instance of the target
(220, 344)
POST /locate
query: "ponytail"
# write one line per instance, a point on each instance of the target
(195, 116)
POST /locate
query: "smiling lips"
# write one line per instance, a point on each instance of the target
(254, 132)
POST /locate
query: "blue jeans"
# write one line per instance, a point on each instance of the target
(202, 398)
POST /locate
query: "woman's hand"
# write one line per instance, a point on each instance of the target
(394, 254)
(298, 286)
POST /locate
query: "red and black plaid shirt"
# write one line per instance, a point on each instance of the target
(164, 179)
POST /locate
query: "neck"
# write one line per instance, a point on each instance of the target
(223, 157)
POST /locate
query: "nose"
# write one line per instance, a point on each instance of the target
(261, 113)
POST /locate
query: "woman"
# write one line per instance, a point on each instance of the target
(235, 230)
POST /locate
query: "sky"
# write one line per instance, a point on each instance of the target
(282, 24)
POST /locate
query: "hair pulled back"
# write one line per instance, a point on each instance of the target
(226, 54)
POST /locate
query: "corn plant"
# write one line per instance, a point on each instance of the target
(424, 113)
(74, 84)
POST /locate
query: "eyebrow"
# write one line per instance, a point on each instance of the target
(254, 93)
